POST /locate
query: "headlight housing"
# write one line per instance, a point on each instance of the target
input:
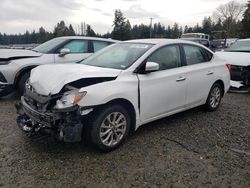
(69, 99)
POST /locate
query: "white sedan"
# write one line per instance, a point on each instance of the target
(121, 88)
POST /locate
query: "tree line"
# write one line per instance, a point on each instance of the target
(233, 18)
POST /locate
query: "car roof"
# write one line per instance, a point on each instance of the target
(89, 38)
(161, 41)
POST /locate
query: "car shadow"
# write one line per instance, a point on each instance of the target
(12, 96)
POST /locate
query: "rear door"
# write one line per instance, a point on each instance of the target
(163, 91)
(200, 74)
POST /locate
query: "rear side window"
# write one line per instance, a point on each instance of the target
(77, 46)
(99, 45)
(167, 57)
(196, 55)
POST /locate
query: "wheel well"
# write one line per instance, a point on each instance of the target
(129, 106)
(21, 73)
(222, 85)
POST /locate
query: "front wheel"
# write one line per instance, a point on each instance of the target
(214, 97)
(22, 82)
(110, 127)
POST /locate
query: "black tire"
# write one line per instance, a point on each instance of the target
(214, 97)
(96, 121)
(22, 82)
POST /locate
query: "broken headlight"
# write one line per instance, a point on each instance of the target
(69, 99)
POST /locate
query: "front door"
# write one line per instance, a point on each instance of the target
(163, 91)
(78, 51)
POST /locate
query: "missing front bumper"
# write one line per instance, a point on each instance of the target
(65, 126)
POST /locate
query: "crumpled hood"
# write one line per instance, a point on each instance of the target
(50, 79)
(235, 58)
(12, 54)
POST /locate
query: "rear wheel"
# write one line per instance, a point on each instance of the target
(22, 82)
(110, 127)
(214, 97)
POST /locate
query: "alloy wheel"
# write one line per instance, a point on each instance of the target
(113, 129)
(215, 97)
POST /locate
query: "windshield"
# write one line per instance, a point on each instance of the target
(118, 56)
(49, 45)
(239, 46)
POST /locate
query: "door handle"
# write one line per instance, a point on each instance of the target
(180, 79)
(210, 72)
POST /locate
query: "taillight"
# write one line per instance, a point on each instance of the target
(229, 66)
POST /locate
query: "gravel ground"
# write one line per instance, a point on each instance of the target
(191, 149)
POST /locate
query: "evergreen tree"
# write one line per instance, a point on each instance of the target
(122, 28)
(186, 29)
(207, 25)
(168, 32)
(71, 31)
(60, 29)
(175, 31)
(90, 32)
(1, 38)
(26, 38)
(246, 22)
(42, 36)
(197, 29)
(144, 31)
(33, 37)
(127, 30)
(218, 26)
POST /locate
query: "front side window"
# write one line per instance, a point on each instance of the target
(77, 46)
(118, 56)
(99, 45)
(167, 57)
(194, 55)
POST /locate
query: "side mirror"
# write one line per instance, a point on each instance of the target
(151, 67)
(64, 51)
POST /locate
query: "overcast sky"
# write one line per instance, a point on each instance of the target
(17, 16)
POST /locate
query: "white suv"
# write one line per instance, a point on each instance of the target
(120, 88)
(15, 65)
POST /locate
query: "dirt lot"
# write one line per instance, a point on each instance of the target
(191, 149)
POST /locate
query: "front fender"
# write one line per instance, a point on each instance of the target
(102, 93)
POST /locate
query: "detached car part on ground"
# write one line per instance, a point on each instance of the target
(238, 55)
(15, 65)
(120, 88)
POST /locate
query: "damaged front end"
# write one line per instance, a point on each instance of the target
(50, 115)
